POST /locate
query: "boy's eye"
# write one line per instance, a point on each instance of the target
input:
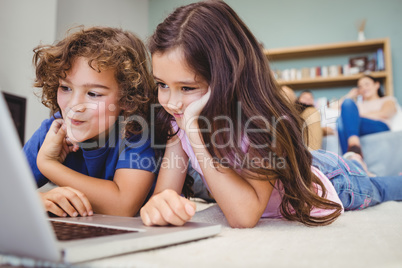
(94, 94)
(161, 85)
(64, 88)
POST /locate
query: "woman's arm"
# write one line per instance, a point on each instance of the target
(166, 206)
(352, 94)
(387, 110)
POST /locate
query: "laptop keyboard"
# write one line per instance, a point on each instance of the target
(70, 231)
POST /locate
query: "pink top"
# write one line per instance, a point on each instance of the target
(273, 208)
(375, 106)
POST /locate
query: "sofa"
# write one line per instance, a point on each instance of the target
(382, 151)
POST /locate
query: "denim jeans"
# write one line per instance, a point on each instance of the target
(355, 189)
(351, 124)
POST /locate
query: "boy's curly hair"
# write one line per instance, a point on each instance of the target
(105, 48)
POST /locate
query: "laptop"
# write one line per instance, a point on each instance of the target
(27, 231)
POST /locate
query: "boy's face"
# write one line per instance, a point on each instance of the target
(88, 101)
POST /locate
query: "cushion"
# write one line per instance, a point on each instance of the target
(382, 151)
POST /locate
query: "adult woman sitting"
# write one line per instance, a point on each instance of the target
(370, 115)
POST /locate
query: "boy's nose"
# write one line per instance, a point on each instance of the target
(78, 107)
(77, 103)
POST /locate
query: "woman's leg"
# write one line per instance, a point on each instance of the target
(350, 123)
(369, 126)
(352, 126)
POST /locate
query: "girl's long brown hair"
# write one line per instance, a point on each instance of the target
(220, 49)
(105, 48)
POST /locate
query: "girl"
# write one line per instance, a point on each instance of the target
(372, 115)
(93, 81)
(224, 112)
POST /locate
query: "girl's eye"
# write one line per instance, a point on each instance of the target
(94, 94)
(187, 88)
(64, 88)
(161, 85)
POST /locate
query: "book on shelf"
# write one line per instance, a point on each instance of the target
(359, 64)
(380, 60)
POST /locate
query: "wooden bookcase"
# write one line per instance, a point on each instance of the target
(343, 48)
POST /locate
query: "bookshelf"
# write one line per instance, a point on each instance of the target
(343, 48)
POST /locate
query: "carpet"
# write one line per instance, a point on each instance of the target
(368, 238)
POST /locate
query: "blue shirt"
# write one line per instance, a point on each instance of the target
(133, 153)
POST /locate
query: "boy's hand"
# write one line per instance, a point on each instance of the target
(63, 201)
(167, 207)
(56, 145)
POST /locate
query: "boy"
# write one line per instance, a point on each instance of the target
(93, 81)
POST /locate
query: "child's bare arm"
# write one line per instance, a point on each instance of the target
(242, 200)
(166, 206)
(122, 196)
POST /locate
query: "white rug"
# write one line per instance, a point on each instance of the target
(367, 238)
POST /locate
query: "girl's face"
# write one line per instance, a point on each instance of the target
(88, 101)
(368, 88)
(178, 85)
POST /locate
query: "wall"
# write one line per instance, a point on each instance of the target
(288, 23)
(127, 14)
(24, 24)
(276, 23)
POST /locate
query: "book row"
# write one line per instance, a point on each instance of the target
(360, 64)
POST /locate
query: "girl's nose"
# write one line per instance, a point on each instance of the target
(175, 106)
(175, 102)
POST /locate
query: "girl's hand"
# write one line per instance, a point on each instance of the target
(56, 145)
(63, 201)
(194, 109)
(167, 207)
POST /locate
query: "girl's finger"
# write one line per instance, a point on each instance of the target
(155, 216)
(182, 209)
(145, 217)
(158, 212)
(173, 212)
